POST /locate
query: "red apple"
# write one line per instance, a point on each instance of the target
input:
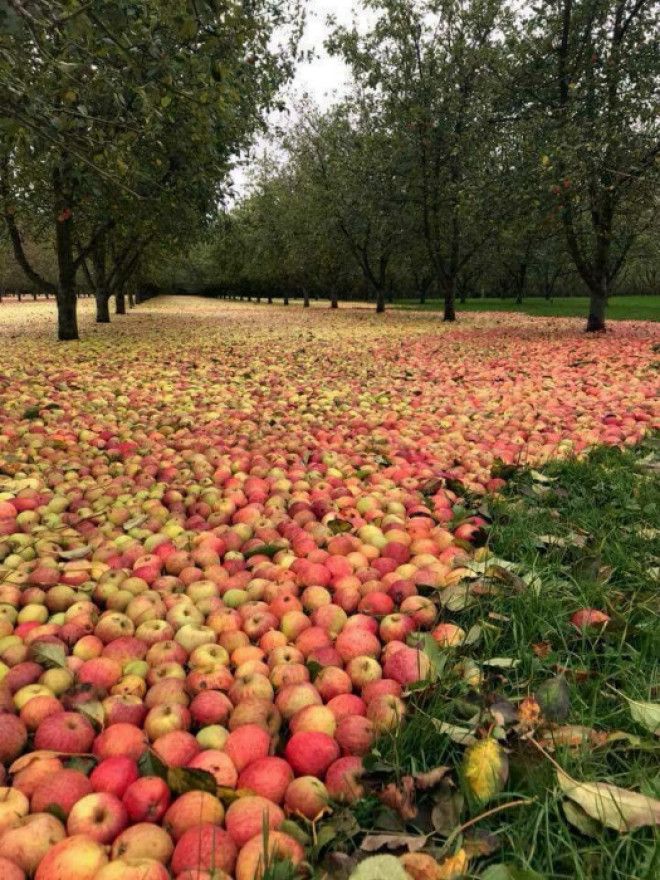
(146, 799)
(98, 816)
(311, 753)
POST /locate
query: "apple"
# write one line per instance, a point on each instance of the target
(307, 796)
(253, 856)
(114, 775)
(13, 806)
(165, 718)
(407, 666)
(356, 642)
(385, 712)
(292, 698)
(310, 753)
(355, 734)
(66, 732)
(314, 718)
(213, 736)
(63, 790)
(144, 840)
(146, 799)
(98, 816)
(268, 777)
(210, 707)
(78, 856)
(13, 737)
(332, 681)
(10, 870)
(190, 809)
(133, 869)
(256, 711)
(27, 843)
(342, 777)
(247, 816)
(120, 739)
(246, 744)
(346, 704)
(362, 670)
(204, 846)
(218, 764)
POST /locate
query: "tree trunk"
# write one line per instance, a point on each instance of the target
(285, 302)
(67, 317)
(380, 301)
(422, 298)
(597, 307)
(120, 302)
(334, 300)
(447, 288)
(270, 300)
(102, 307)
(305, 298)
(131, 300)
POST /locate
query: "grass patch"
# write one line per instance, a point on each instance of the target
(620, 308)
(586, 537)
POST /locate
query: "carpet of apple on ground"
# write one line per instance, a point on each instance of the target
(289, 593)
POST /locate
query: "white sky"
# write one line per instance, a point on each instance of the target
(324, 79)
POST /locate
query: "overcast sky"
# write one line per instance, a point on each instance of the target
(324, 79)
(323, 76)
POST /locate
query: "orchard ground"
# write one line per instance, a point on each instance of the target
(287, 431)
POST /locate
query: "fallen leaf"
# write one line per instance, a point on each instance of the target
(554, 699)
(457, 597)
(584, 823)
(571, 736)
(380, 868)
(49, 656)
(400, 798)
(617, 808)
(411, 842)
(76, 552)
(485, 768)
(461, 735)
(502, 662)
(431, 777)
(646, 714)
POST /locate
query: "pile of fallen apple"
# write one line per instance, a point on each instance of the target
(269, 656)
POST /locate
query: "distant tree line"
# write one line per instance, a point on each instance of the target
(483, 151)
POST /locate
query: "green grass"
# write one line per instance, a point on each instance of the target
(605, 511)
(620, 308)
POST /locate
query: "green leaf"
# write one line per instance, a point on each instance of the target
(554, 699)
(57, 811)
(50, 656)
(31, 413)
(314, 668)
(149, 764)
(437, 657)
(264, 550)
(183, 779)
(294, 830)
(82, 764)
(339, 526)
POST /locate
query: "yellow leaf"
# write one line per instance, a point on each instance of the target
(485, 768)
(617, 808)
